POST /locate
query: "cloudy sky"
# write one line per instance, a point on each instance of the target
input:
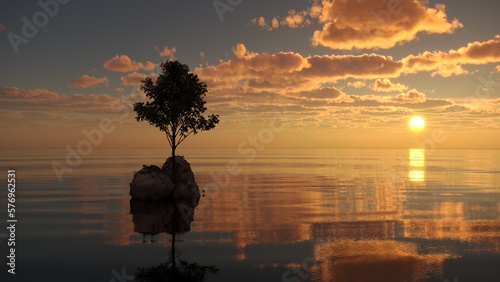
(282, 73)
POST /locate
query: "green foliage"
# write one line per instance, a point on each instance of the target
(176, 103)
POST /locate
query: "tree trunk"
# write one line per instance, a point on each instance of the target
(172, 140)
(174, 163)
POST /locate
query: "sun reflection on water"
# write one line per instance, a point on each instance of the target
(417, 165)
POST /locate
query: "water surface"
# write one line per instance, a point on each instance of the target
(278, 215)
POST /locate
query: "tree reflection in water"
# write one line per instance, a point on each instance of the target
(173, 216)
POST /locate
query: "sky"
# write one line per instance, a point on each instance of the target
(283, 73)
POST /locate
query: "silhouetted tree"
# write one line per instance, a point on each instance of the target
(177, 103)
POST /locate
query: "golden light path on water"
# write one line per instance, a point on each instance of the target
(417, 165)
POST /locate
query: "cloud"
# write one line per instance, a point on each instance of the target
(291, 72)
(86, 81)
(133, 79)
(497, 68)
(14, 93)
(260, 70)
(169, 53)
(321, 93)
(406, 99)
(410, 97)
(2, 28)
(294, 19)
(261, 21)
(275, 23)
(44, 100)
(455, 109)
(385, 85)
(357, 84)
(367, 24)
(321, 106)
(450, 63)
(449, 70)
(124, 63)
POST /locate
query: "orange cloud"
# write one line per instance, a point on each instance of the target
(169, 52)
(367, 66)
(449, 70)
(366, 24)
(385, 85)
(50, 101)
(123, 63)
(317, 107)
(275, 23)
(450, 63)
(291, 72)
(10, 94)
(247, 68)
(410, 97)
(322, 93)
(86, 81)
(133, 79)
(294, 19)
(357, 84)
(407, 99)
(261, 21)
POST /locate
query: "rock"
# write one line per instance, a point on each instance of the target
(182, 167)
(151, 183)
(187, 191)
(184, 177)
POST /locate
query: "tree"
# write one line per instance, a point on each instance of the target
(176, 103)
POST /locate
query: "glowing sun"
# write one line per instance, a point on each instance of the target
(416, 124)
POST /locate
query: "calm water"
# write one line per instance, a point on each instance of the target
(281, 215)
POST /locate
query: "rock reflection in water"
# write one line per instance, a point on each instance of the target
(173, 217)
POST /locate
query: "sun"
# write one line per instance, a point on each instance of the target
(416, 124)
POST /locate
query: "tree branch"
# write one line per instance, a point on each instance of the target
(168, 139)
(183, 137)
